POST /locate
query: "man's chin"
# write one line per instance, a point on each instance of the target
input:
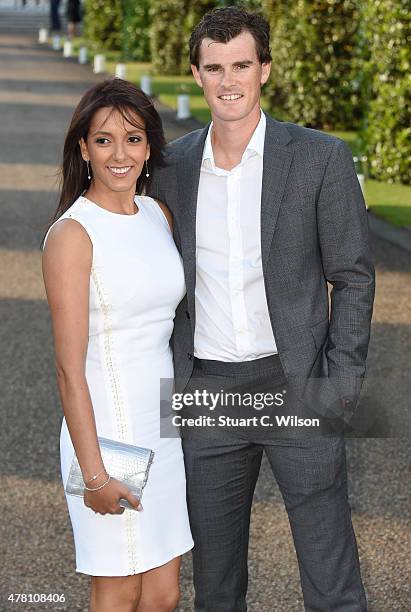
(229, 115)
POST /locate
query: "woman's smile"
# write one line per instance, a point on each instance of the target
(119, 171)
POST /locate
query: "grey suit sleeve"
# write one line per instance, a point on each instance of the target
(344, 241)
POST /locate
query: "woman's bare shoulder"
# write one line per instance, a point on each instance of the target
(65, 231)
(68, 240)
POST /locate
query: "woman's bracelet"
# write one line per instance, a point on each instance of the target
(100, 487)
(95, 476)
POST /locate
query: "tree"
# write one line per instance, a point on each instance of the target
(315, 74)
(196, 10)
(103, 23)
(167, 33)
(119, 25)
(387, 133)
(136, 30)
(173, 21)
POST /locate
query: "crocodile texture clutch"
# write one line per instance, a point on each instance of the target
(125, 462)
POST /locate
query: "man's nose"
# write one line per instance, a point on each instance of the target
(227, 79)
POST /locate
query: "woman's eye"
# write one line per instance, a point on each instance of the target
(134, 139)
(102, 140)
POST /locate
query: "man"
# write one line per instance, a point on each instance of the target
(265, 214)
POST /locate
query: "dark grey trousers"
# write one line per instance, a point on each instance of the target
(222, 471)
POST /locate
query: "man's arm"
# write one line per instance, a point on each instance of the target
(154, 190)
(163, 188)
(344, 241)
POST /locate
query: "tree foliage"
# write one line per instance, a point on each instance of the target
(195, 11)
(167, 35)
(119, 25)
(249, 5)
(387, 134)
(103, 22)
(315, 47)
(137, 29)
(173, 22)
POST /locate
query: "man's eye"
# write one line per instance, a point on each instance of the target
(135, 139)
(102, 140)
(213, 69)
(242, 66)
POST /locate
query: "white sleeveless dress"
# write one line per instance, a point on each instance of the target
(136, 284)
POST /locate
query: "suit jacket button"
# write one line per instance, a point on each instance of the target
(190, 356)
(187, 314)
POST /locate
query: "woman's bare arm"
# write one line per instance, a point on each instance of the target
(67, 263)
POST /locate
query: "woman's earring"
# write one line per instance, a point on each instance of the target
(88, 170)
(147, 172)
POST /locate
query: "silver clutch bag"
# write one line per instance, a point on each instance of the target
(125, 462)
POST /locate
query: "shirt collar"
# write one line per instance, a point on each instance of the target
(255, 145)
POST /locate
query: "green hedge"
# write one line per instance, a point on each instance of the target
(137, 30)
(315, 75)
(167, 33)
(249, 5)
(173, 21)
(119, 25)
(195, 11)
(103, 24)
(387, 133)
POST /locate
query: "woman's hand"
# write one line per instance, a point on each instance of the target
(105, 500)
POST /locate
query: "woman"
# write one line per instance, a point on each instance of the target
(113, 278)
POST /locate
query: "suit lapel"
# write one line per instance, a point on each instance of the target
(188, 176)
(277, 162)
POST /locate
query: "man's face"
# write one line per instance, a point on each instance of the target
(231, 76)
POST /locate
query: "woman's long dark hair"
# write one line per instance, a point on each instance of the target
(130, 101)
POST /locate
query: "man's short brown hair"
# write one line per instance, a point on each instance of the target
(224, 24)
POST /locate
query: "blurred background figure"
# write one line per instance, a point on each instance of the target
(55, 23)
(24, 3)
(73, 13)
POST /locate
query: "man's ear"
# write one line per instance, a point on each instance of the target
(83, 149)
(196, 75)
(265, 72)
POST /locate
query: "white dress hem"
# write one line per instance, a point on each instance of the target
(145, 569)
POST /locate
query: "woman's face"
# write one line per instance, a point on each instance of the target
(116, 150)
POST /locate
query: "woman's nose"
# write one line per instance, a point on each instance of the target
(119, 152)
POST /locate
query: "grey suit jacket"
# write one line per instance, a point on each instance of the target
(314, 229)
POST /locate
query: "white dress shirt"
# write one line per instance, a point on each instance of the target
(232, 318)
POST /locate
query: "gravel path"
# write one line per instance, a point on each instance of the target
(38, 90)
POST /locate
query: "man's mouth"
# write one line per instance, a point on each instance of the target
(230, 97)
(119, 170)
